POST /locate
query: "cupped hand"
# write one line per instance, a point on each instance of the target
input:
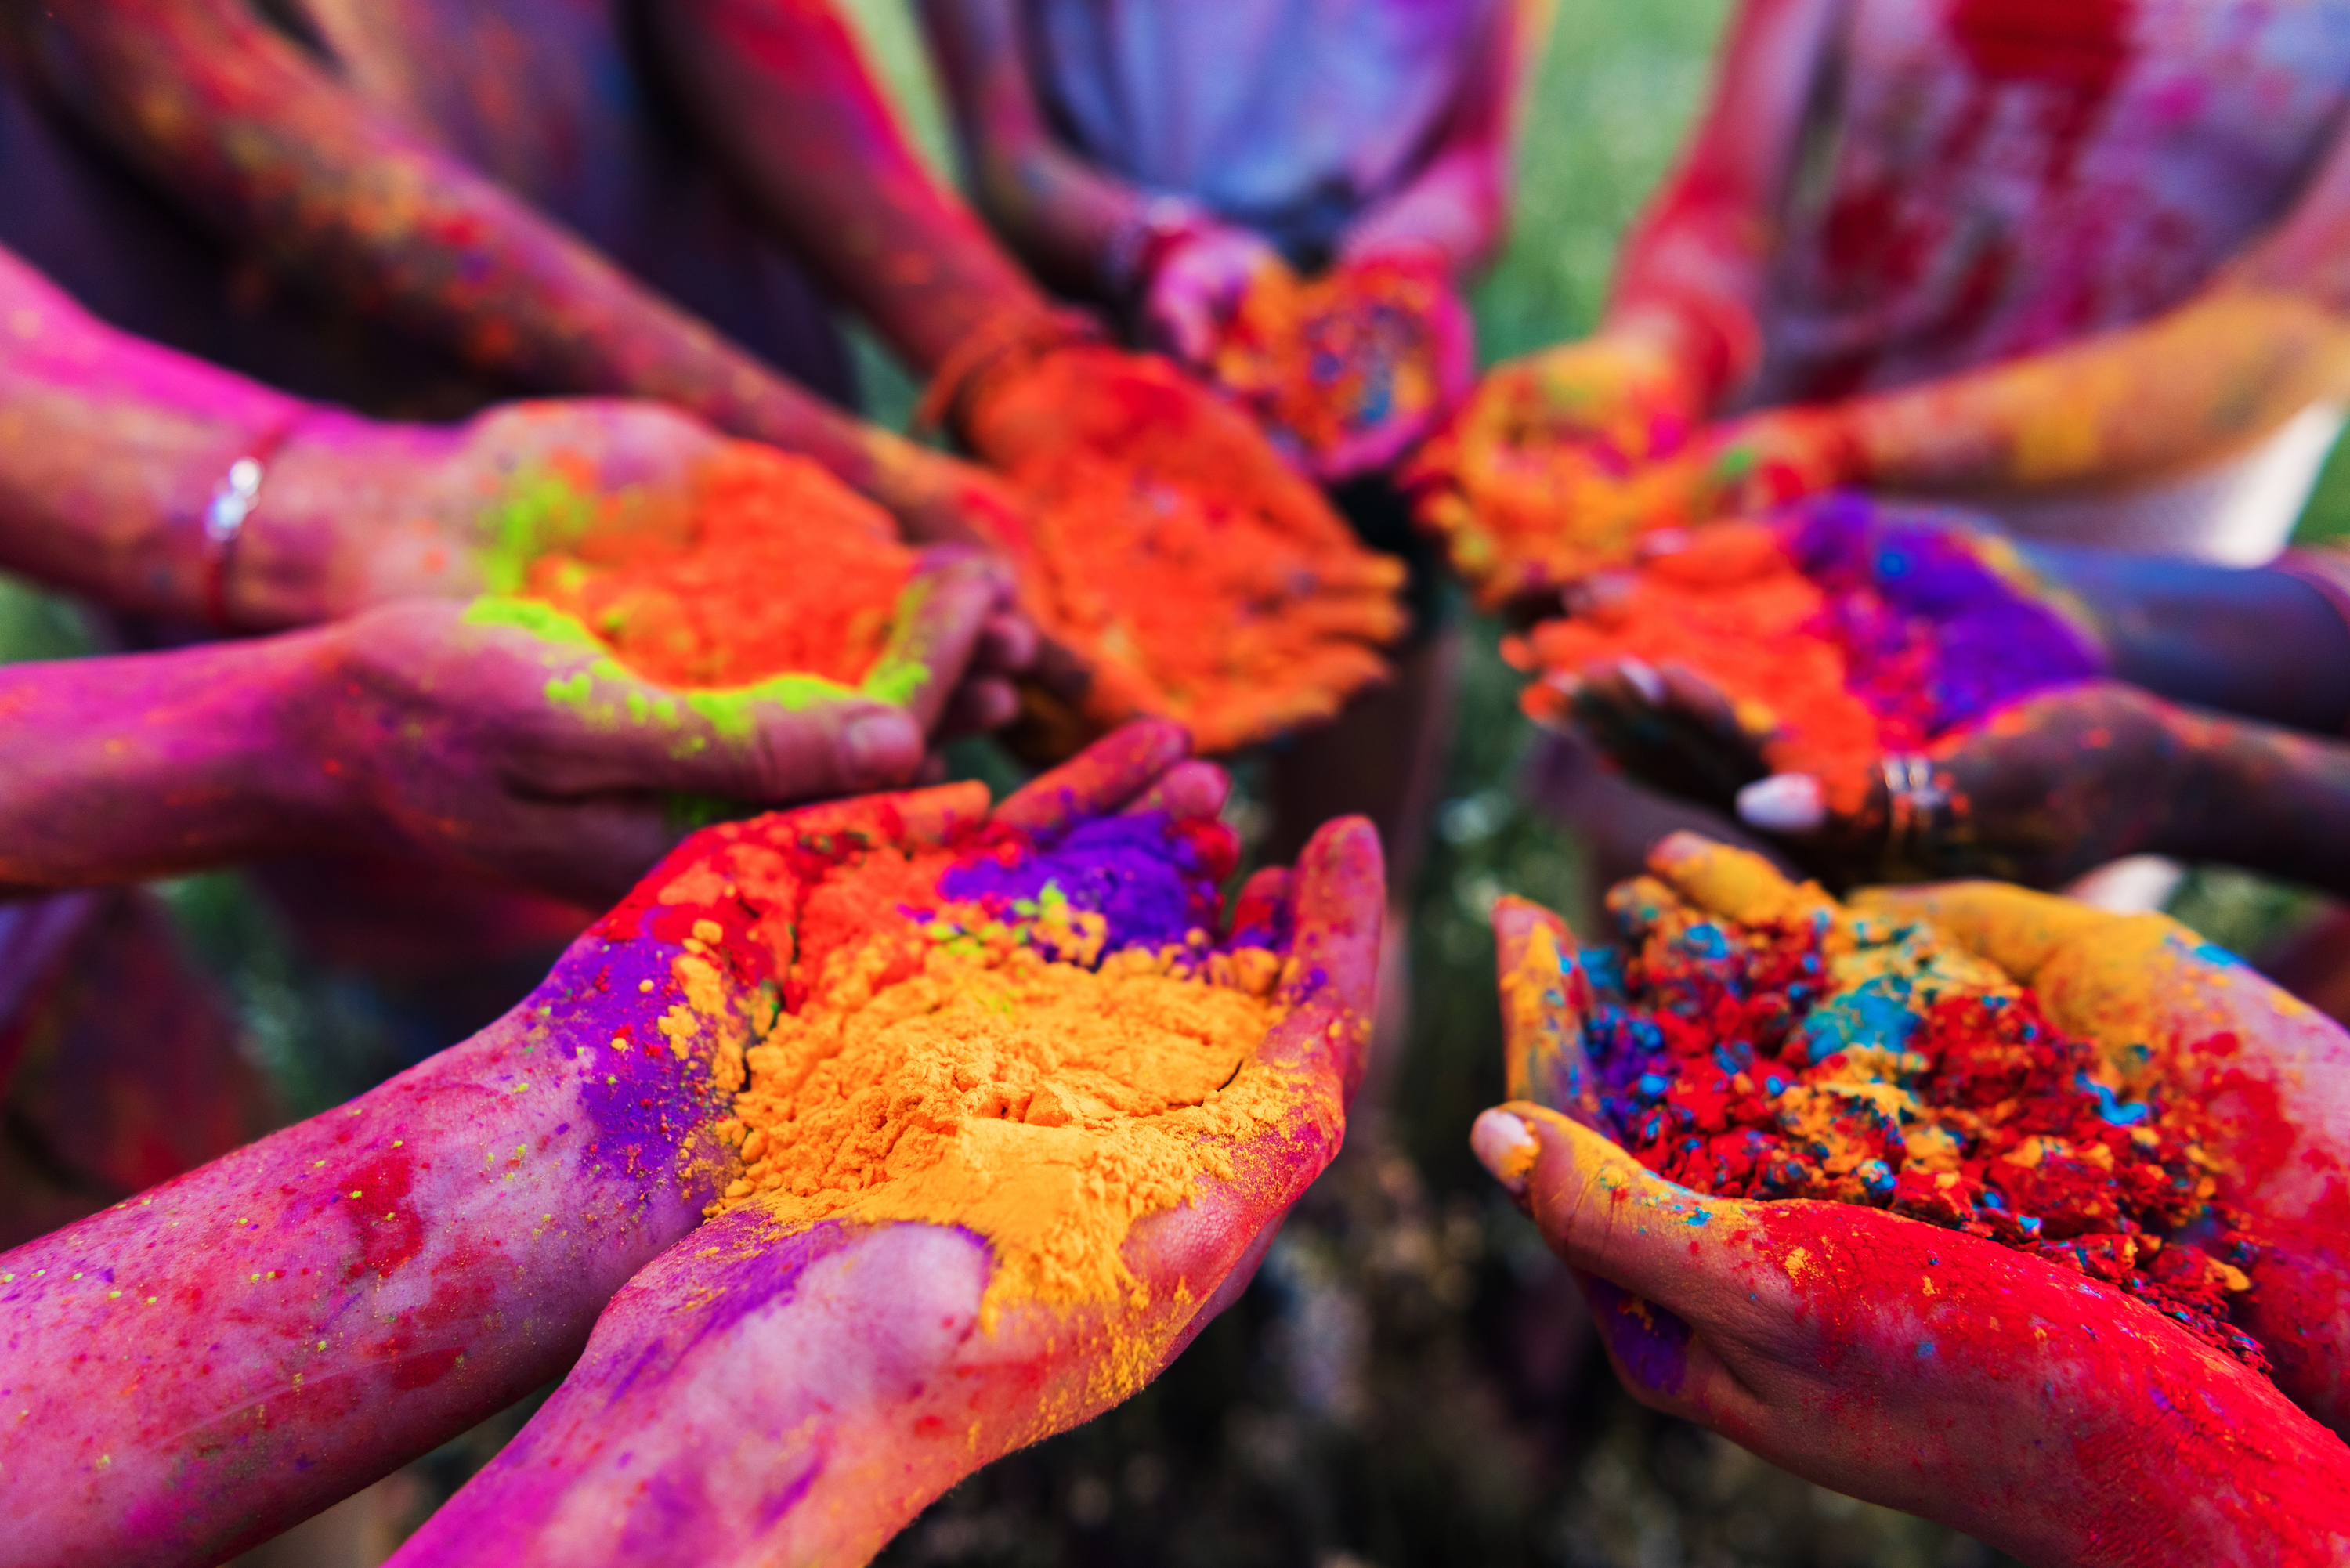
(752, 1397)
(2038, 793)
(476, 739)
(1197, 285)
(1930, 1370)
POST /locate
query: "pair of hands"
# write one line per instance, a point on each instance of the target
(1626, 411)
(1192, 296)
(1931, 1371)
(374, 1285)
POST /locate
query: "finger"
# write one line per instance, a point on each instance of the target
(978, 706)
(1191, 791)
(939, 619)
(1734, 884)
(2012, 927)
(1097, 780)
(1340, 886)
(1007, 642)
(1262, 908)
(1542, 1010)
(1602, 1212)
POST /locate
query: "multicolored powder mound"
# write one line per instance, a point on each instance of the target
(1528, 512)
(1841, 630)
(1829, 1054)
(1196, 606)
(1040, 1043)
(1320, 362)
(775, 568)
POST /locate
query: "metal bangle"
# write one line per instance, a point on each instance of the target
(1916, 806)
(232, 500)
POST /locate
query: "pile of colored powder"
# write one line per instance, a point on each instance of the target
(1528, 514)
(775, 568)
(1839, 634)
(1825, 1054)
(1041, 1045)
(1320, 362)
(1197, 607)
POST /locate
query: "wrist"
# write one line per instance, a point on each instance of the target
(308, 748)
(1142, 241)
(1000, 349)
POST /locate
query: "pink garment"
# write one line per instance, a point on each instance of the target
(1998, 176)
(1288, 116)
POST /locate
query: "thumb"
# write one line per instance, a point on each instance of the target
(940, 619)
(1601, 1210)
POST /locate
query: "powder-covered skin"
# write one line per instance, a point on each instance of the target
(1042, 1045)
(1809, 1052)
(1320, 362)
(772, 567)
(1842, 630)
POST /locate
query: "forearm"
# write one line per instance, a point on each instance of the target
(121, 768)
(2261, 798)
(362, 1286)
(110, 449)
(1060, 214)
(240, 124)
(2177, 393)
(2261, 643)
(781, 88)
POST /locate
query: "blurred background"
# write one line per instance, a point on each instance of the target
(1410, 1379)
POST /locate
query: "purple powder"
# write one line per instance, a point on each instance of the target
(1932, 635)
(1145, 873)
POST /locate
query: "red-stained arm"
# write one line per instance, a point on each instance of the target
(780, 87)
(1060, 212)
(1459, 201)
(267, 145)
(1690, 274)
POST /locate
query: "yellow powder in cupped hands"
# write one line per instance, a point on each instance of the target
(1042, 1104)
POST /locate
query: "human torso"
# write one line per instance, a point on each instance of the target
(1993, 178)
(1287, 115)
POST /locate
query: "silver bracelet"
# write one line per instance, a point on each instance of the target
(1916, 806)
(232, 501)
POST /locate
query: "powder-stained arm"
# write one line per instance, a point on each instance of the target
(780, 88)
(1457, 201)
(415, 729)
(267, 145)
(2034, 1408)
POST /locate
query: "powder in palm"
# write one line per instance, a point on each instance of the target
(1806, 1051)
(1845, 628)
(775, 568)
(1197, 608)
(1039, 1042)
(1320, 362)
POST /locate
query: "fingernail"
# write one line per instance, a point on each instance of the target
(881, 748)
(1783, 803)
(1506, 1147)
(1645, 681)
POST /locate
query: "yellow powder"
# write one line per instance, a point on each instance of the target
(1045, 1106)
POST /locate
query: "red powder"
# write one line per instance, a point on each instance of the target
(777, 568)
(1320, 362)
(1724, 1069)
(1733, 608)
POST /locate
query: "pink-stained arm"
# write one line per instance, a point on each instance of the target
(267, 144)
(750, 1400)
(2040, 1412)
(1060, 212)
(424, 729)
(1458, 204)
(780, 88)
(1690, 279)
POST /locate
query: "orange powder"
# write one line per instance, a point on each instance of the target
(1324, 360)
(1733, 609)
(1521, 515)
(1199, 608)
(776, 568)
(1042, 1104)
